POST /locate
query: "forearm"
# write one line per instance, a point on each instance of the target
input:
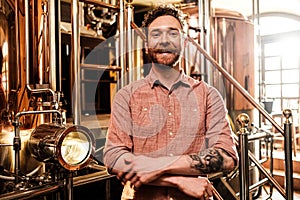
(208, 161)
(193, 186)
(166, 181)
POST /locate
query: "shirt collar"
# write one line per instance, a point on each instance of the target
(183, 79)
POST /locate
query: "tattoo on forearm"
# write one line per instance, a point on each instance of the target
(207, 161)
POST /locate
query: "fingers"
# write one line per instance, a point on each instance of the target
(126, 174)
(209, 190)
(206, 196)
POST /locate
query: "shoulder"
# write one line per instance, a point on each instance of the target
(206, 90)
(131, 88)
(200, 85)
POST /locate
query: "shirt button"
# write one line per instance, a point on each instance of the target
(171, 133)
(170, 114)
(171, 154)
(171, 198)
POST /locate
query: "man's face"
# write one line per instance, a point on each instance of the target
(164, 40)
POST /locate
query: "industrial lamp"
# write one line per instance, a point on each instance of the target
(72, 146)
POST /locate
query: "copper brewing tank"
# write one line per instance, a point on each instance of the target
(233, 48)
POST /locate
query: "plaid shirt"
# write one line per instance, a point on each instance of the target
(148, 119)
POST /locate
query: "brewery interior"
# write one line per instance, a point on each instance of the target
(62, 62)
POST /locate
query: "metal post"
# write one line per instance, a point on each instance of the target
(121, 52)
(17, 148)
(243, 120)
(75, 45)
(287, 113)
(69, 186)
(52, 44)
(129, 41)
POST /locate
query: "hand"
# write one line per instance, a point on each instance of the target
(200, 187)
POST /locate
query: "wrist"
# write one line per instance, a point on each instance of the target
(173, 180)
(178, 165)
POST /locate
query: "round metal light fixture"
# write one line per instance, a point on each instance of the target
(72, 146)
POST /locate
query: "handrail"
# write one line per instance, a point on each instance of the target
(238, 86)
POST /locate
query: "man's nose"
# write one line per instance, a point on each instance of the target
(164, 38)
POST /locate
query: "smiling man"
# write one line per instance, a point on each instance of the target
(168, 130)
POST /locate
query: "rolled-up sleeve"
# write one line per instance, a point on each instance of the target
(219, 132)
(118, 140)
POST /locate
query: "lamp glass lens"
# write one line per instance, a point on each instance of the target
(75, 148)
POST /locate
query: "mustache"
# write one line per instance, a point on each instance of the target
(164, 50)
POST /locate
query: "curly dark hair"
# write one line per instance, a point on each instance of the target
(162, 10)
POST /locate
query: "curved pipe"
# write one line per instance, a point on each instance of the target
(9, 178)
(101, 4)
(17, 138)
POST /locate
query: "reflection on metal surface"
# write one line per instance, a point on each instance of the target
(232, 32)
(71, 146)
(28, 164)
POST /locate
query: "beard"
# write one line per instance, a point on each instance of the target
(165, 57)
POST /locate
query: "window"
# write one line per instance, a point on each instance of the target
(280, 62)
(281, 71)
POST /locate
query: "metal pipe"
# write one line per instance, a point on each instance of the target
(43, 66)
(216, 194)
(122, 44)
(258, 184)
(264, 171)
(17, 138)
(243, 120)
(59, 46)
(255, 185)
(29, 194)
(26, 2)
(75, 66)
(27, 56)
(91, 178)
(69, 186)
(17, 148)
(287, 113)
(19, 114)
(138, 30)
(257, 136)
(17, 24)
(52, 44)
(129, 41)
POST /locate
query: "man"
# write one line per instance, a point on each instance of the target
(168, 130)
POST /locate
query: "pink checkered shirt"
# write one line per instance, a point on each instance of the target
(148, 119)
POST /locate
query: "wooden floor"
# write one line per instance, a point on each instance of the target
(279, 174)
(276, 195)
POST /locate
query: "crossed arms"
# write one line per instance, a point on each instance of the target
(179, 171)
